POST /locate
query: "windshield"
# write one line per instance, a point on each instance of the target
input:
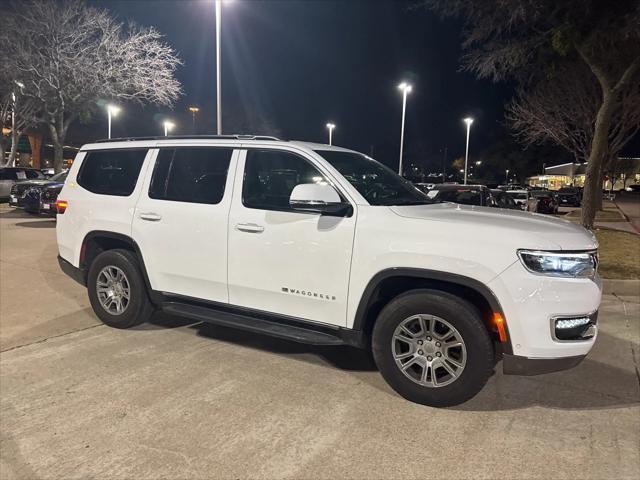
(465, 196)
(59, 177)
(378, 184)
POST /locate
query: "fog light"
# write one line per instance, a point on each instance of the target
(572, 322)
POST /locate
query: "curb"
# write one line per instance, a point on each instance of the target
(620, 287)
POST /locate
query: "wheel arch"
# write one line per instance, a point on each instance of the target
(98, 241)
(389, 283)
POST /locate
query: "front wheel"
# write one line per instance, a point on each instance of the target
(433, 348)
(117, 291)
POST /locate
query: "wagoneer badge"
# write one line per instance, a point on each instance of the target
(295, 291)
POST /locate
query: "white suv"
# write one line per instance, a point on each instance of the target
(323, 245)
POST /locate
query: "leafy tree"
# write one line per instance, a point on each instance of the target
(69, 55)
(525, 40)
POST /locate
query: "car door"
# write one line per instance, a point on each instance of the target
(281, 260)
(7, 179)
(180, 221)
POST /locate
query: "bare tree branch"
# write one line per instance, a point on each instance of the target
(69, 56)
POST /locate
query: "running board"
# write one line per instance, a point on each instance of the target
(300, 332)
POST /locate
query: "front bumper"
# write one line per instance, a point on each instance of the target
(517, 365)
(530, 305)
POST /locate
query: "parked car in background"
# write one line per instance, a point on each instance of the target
(463, 194)
(542, 201)
(520, 197)
(425, 187)
(48, 172)
(48, 198)
(504, 200)
(569, 197)
(633, 188)
(9, 176)
(26, 194)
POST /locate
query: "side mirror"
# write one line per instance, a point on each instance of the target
(319, 198)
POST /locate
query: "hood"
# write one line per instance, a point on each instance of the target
(35, 183)
(529, 230)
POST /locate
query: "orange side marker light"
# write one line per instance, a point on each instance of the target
(498, 320)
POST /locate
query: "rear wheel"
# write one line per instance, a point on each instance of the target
(117, 291)
(433, 348)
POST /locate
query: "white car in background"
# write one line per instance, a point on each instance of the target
(521, 197)
(323, 245)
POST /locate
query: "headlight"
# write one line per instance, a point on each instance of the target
(560, 264)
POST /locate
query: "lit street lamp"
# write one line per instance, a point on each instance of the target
(468, 121)
(507, 177)
(112, 111)
(193, 111)
(406, 89)
(168, 126)
(331, 126)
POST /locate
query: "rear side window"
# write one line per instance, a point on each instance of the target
(8, 174)
(111, 172)
(191, 174)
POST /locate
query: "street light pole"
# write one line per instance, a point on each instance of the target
(468, 121)
(218, 86)
(507, 179)
(406, 88)
(168, 126)
(112, 111)
(331, 126)
(193, 111)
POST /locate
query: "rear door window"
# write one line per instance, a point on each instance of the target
(8, 174)
(191, 174)
(111, 172)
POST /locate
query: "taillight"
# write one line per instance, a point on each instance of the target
(61, 206)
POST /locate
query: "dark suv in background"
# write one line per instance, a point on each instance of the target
(569, 197)
(27, 194)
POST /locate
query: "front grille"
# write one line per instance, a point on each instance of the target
(32, 195)
(18, 189)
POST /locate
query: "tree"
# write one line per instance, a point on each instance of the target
(5, 113)
(561, 108)
(69, 55)
(524, 40)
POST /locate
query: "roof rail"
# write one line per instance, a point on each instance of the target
(190, 137)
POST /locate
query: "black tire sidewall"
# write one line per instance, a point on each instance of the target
(139, 307)
(459, 313)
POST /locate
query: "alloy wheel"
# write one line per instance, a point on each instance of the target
(429, 350)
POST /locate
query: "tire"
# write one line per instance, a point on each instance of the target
(476, 353)
(138, 308)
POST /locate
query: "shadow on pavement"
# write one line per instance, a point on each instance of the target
(590, 385)
(38, 224)
(16, 213)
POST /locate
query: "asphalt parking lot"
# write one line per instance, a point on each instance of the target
(174, 399)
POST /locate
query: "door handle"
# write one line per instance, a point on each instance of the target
(150, 216)
(249, 227)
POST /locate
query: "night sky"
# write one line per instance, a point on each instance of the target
(289, 67)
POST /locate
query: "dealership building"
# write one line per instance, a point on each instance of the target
(573, 174)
